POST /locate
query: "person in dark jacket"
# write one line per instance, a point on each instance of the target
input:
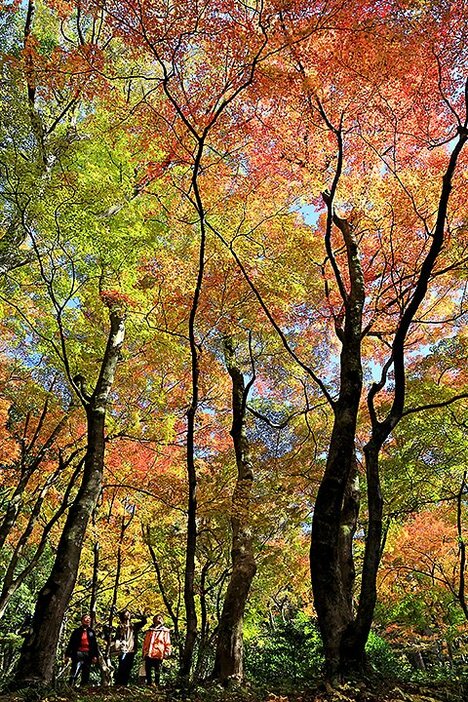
(83, 651)
(126, 643)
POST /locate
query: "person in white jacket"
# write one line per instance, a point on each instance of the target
(126, 643)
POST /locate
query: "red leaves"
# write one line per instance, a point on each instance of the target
(115, 298)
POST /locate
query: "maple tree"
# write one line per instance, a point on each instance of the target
(358, 290)
(291, 173)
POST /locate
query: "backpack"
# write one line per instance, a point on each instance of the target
(154, 643)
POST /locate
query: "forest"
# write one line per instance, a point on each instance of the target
(233, 349)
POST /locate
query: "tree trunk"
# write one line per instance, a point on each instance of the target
(37, 658)
(335, 512)
(38, 652)
(192, 505)
(191, 546)
(349, 517)
(355, 638)
(94, 585)
(229, 651)
(330, 581)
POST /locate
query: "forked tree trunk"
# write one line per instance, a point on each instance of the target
(345, 634)
(229, 651)
(36, 664)
(335, 511)
(353, 646)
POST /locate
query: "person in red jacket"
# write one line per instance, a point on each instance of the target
(156, 647)
(83, 651)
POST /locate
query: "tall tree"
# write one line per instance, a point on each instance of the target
(229, 649)
(38, 652)
(367, 295)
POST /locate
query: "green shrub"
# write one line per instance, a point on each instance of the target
(286, 655)
(385, 661)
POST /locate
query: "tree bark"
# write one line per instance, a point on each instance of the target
(36, 664)
(348, 524)
(355, 637)
(330, 555)
(229, 650)
(192, 500)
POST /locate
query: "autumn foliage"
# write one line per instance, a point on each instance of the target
(233, 258)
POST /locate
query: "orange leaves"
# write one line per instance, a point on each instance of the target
(63, 8)
(115, 298)
(9, 446)
(421, 564)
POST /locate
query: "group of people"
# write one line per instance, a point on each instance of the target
(83, 648)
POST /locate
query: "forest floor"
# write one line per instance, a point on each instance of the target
(358, 692)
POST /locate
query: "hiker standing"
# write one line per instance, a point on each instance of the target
(126, 643)
(156, 647)
(83, 651)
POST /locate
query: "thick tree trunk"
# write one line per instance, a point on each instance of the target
(38, 653)
(229, 651)
(331, 557)
(330, 580)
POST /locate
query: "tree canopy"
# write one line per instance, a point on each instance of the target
(233, 256)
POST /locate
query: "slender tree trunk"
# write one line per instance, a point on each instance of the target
(172, 611)
(195, 350)
(229, 651)
(118, 568)
(191, 546)
(191, 542)
(94, 585)
(203, 641)
(355, 637)
(38, 653)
